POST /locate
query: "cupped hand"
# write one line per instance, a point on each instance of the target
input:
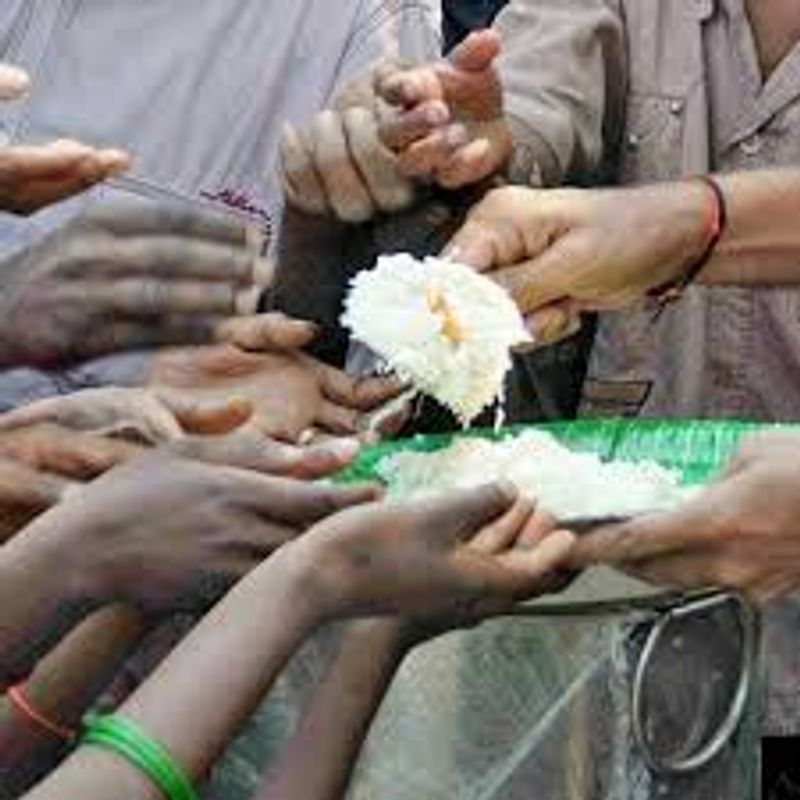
(291, 393)
(742, 533)
(561, 252)
(449, 124)
(339, 165)
(467, 555)
(129, 276)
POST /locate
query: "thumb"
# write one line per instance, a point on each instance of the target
(477, 52)
(272, 331)
(460, 515)
(209, 417)
(14, 82)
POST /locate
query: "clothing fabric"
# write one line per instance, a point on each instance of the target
(463, 16)
(635, 91)
(197, 90)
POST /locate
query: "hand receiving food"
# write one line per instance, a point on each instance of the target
(129, 276)
(466, 555)
(742, 533)
(339, 165)
(449, 126)
(34, 177)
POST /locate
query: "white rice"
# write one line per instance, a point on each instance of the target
(441, 326)
(566, 483)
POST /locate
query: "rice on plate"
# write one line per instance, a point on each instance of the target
(568, 484)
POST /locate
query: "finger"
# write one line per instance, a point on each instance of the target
(273, 331)
(338, 420)
(171, 258)
(116, 336)
(390, 191)
(205, 417)
(152, 298)
(540, 525)
(71, 454)
(345, 188)
(477, 52)
(303, 183)
(688, 528)
(553, 323)
(45, 161)
(460, 515)
(133, 218)
(410, 87)
(106, 411)
(501, 534)
(362, 394)
(468, 165)
(531, 287)
(544, 562)
(252, 451)
(14, 82)
(400, 130)
(300, 502)
(424, 158)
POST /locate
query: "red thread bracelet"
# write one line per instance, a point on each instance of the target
(30, 714)
(715, 227)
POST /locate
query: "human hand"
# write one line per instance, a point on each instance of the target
(34, 177)
(291, 393)
(450, 125)
(130, 276)
(742, 533)
(132, 414)
(339, 165)
(14, 82)
(211, 518)
(560, 252)
(464, 556)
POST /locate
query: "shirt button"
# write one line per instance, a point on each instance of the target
(676, 108)
(634, 140)
(752, 146)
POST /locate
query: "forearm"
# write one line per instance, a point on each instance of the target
(42, 597)
(761, 243)
(61, 688)
(339, 718)
(201, 695)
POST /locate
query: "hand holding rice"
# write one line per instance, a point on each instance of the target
(441, 326)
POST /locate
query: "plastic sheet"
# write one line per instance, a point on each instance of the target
(540, 709)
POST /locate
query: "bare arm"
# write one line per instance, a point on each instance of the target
(339, 718)
(62, 687)
(761, 245)
(428, 558)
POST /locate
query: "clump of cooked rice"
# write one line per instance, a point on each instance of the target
(566, 483)
(441, 326)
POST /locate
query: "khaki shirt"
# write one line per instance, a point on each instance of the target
(636, 91)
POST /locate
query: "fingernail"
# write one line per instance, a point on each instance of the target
(344, 449)
(437, 114)
(457, 136)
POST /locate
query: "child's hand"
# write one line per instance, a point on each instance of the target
(470, 554)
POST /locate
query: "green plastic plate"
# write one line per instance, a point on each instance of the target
(698, 449)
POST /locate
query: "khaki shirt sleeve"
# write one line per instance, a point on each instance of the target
(564, 75)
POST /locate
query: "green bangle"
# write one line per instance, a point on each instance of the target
(122, 737)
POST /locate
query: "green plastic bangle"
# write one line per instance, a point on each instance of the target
(122, 737)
